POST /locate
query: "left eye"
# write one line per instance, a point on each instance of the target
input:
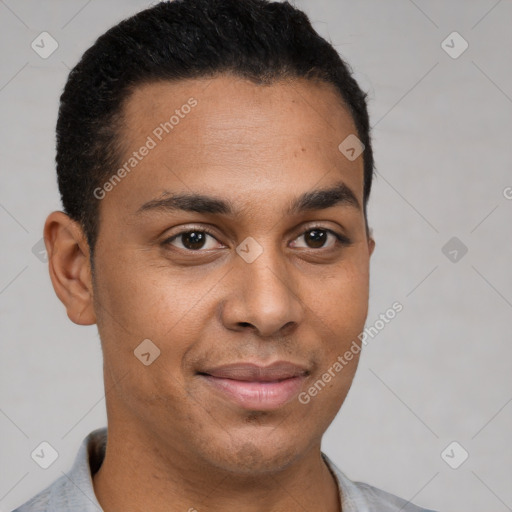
(317, 238)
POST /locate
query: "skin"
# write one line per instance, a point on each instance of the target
(174, 444)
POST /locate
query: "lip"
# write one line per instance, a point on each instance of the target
(254, 372)
(256, 387)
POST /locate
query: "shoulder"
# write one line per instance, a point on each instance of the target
(74, 489)
(362, 497)
(41, 501)
(383, 501)
(60, 496)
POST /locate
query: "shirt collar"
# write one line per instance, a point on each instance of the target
(76, 485)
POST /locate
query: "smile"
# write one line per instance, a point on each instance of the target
(254, 386)
(256, 395)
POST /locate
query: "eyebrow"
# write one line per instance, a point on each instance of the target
(318, 199)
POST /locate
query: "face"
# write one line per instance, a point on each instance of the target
(270, 264)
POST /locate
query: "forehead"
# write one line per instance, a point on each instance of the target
(229, 135)
(237, 103)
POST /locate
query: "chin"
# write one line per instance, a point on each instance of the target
(257, 453)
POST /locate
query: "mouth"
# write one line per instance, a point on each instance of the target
(255, 387)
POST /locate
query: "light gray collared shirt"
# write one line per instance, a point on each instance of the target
(74, 491)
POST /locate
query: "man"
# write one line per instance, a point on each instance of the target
(215, 163)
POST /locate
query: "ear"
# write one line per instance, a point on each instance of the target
(69, 266)
(371, 242)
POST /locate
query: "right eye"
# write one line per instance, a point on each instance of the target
(191, 240)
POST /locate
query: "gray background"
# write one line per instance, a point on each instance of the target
(439, 372)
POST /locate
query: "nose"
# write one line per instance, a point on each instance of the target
(262, 296)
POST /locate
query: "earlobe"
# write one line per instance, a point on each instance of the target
(371, 242)
(69, 266)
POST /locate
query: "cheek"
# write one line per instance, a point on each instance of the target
(144, 300)
(342, 302)
(340, 317)
(341, 309)
(132, 308)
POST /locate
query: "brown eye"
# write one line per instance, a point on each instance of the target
(192, 240)
(316, 238)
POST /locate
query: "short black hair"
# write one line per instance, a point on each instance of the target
(259, 40)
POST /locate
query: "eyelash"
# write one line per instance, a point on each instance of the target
(341, 240)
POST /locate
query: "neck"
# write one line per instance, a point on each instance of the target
(140, 474)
